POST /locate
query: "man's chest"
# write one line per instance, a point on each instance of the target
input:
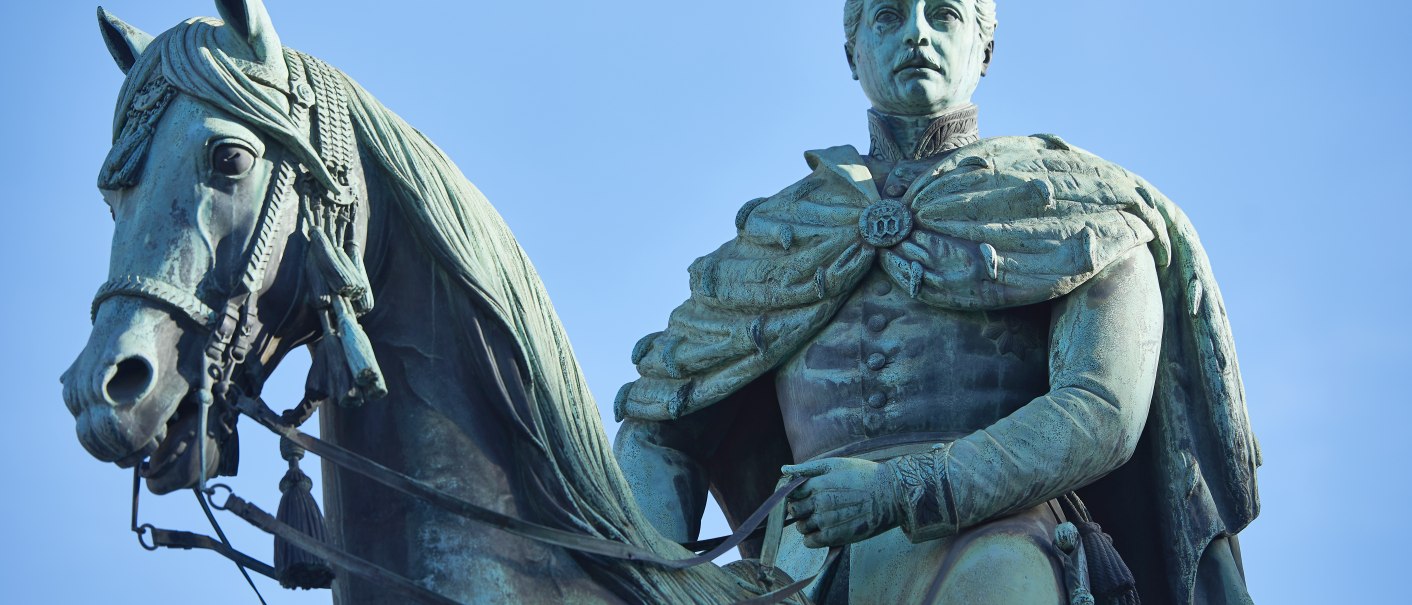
(888, 365)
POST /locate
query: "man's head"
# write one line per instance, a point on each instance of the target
(919, 57)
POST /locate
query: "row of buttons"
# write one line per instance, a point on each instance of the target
(876, 323)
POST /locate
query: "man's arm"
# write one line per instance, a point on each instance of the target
(1104, 343)
(663, 462)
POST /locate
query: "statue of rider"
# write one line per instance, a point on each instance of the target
(962, 343)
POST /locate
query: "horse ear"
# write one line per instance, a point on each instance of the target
(252, 22)
(124, 41)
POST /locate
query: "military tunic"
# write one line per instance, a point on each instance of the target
(987, 378)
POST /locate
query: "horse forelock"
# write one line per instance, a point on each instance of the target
(191, 59)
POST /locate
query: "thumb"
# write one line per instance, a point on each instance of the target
(808, 469)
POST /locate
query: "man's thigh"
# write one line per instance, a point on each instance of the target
(1010, 561)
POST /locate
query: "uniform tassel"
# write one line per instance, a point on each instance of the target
(297, 568)
(1110, 579)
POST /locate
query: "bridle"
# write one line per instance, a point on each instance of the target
(339, 290)
(231, 328)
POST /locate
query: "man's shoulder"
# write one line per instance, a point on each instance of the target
(1011, 148)
(836, 155)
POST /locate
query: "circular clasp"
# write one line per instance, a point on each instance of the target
(885, 223)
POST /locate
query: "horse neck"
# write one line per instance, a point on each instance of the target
(454, 398)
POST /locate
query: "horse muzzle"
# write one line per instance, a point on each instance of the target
(125, 386)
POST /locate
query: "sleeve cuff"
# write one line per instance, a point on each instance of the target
(927, 506)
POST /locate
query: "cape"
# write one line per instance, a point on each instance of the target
(1001, 223)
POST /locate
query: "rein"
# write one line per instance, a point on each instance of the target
(258, 411)
(341, 293)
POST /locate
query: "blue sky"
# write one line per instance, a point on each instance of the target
(619, 138)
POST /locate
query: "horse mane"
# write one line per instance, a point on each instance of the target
(471, 243)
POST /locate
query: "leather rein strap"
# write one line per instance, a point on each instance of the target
(425, 492)
(261, 413)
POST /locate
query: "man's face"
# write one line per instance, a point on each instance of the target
(919, 57)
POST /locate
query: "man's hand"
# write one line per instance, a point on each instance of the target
(844, 501)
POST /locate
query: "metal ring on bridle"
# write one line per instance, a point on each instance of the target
(211, 492)
(142, 532)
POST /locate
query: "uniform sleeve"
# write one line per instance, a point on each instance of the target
(1105, 338)
(663, 462)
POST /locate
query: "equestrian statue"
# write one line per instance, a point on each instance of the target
(953, 370)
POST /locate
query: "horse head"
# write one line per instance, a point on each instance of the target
(216, 192)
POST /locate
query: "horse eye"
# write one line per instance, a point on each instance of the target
(231, 159)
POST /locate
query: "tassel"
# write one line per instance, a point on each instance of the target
(329, 376)
(297, 568)
(358, 351)
(1109, 577)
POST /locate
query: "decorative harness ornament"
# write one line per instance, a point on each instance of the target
(340, 291)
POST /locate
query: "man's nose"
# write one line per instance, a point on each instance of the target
(919, 31)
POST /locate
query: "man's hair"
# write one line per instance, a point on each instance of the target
(853, 17)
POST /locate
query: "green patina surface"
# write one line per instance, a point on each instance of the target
(861, 309)
(948, 336)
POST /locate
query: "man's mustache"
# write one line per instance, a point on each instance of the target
(916, 57)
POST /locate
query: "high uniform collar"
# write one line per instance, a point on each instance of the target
(946, 132)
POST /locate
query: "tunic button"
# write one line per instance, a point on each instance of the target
(877, 323)
(882, 287)
(877, 401)
(895, 190)
(876, 361)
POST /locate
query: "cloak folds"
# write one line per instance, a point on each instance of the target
(1000, 223)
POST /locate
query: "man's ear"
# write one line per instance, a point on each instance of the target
(989, 53)
(848, 51)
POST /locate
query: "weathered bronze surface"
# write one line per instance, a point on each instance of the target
(955, 339)
(949, 341)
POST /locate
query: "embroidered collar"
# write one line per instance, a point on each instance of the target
(945, 132)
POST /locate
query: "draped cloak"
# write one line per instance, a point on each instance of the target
(1001, 223)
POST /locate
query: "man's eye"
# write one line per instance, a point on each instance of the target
(887, 16)
(230, 159)
(946, 15)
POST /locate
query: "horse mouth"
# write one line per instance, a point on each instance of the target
(171, 459)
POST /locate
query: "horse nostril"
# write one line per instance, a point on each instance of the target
(129, 382)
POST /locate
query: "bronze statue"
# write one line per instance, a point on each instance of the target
(1002, 364)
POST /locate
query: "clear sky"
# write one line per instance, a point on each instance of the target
(619, 138)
